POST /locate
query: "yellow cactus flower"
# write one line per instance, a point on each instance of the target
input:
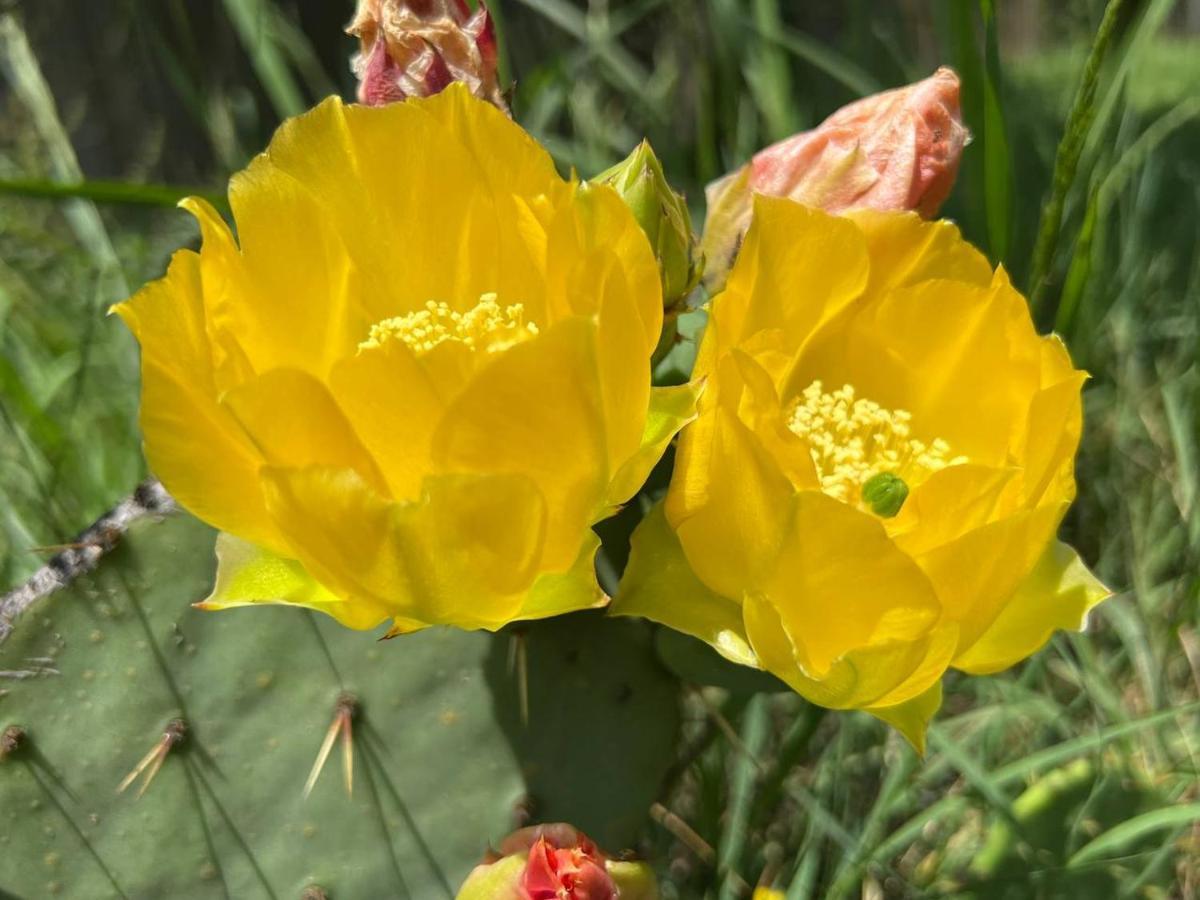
(883, 454)
(416, 378)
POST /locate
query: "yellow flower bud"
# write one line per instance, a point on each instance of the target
(883, 454)
(418, 376)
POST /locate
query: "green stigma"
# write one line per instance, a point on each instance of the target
(885, 493)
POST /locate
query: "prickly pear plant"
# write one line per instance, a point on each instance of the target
(153, 750)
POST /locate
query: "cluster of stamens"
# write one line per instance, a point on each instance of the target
(853, 439)
(487, 325)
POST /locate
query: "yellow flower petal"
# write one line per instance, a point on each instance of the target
(912, 717)
(801, 268)
(1058, 594)
(838, 567)
(556, 593)
(310, 299)
(248, 575)
(223, 283)
(1052, 432)
(659, 585)
(293, 421)
(887, 673)
(942, 366)
(362, 163)
(906, 250)
(394, 406)
(977, 573)
(465, 554)
(535, 410)
(598, 264)
(671, 408)
(185, 430)
(730, 527)
(951, 502)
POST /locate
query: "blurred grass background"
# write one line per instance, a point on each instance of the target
(1072, 775)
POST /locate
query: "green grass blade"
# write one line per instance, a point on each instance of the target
(997, 154)
(755, 728)
(625, 71)
(988, 785)
(850, 868)
(961, 25)
(769, 75)
(949, 807)
(823, 58)
(1120, 836)
(119, 192)
(1100, 205)
(19, 64)
(254, 22)
(1066, 161)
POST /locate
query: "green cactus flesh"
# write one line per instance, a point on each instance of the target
(121, 654)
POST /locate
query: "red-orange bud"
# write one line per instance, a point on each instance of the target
(414, 48)
(576, 872)
(556, 862)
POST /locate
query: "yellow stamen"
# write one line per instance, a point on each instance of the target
(853, 439)
(486, 326)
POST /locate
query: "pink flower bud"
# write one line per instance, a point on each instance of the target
(896, 150)
(414, 48)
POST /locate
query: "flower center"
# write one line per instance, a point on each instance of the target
(487, 326)
(853, 441)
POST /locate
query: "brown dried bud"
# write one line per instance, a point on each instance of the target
(415, 48)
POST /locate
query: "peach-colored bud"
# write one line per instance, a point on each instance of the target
(414, 48)
(895, 150)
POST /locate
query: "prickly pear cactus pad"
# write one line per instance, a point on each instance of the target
(119, 670)
(602, 721)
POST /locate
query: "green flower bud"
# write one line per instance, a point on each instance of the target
(885, 493)
(663, 216)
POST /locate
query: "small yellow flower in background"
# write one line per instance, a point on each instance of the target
(763, 893)
(883, 454)
(416, 378)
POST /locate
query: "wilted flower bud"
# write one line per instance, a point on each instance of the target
(662, 215)
(556, 862)
(414, 48)
(898, 150)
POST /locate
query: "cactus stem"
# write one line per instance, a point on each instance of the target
(344, 712)
(173, 734)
